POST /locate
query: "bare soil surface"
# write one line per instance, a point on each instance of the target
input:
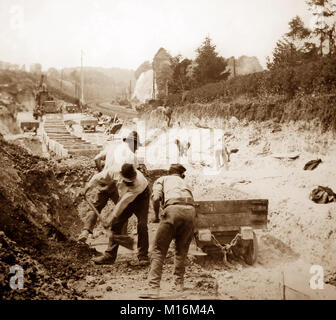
(41, 215)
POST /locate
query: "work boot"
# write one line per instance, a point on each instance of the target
(83, 236)
(106, 258)
(144, 261)
(150, 293)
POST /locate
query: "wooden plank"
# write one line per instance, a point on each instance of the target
(231, 214)
(231, 206)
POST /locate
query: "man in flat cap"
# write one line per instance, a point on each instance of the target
(134, 199)
(114, 155)
(177, 222)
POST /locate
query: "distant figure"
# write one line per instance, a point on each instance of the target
(71, 128)
(97, 114)
(168, 113)
(222, 154)
(44, 87)
(183, 147)
(38, 113)
(163, 112)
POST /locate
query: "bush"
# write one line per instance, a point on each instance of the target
(316, 76)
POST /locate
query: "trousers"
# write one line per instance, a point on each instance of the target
(105, 193)
(177, 222)
(139, 207)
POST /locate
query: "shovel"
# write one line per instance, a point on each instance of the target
(123, 240)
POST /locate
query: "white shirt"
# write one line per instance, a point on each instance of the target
(116, 155)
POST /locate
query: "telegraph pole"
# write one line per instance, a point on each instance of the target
(82, 83)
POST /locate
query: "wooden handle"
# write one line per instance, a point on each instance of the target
(93, 207)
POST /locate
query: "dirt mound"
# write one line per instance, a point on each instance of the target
(41, 279)
(40, 219)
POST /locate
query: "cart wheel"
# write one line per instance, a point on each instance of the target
(251, 253)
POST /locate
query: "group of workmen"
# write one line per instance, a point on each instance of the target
(120, 180)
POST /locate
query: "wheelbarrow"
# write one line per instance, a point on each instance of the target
(225, 228)
(29, 126)
(89, 125)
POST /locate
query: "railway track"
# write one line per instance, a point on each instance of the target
(111, 110)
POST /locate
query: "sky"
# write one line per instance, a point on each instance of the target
(125, 33)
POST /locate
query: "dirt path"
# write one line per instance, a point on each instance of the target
(205, 278)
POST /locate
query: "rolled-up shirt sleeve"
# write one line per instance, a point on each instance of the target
(157, 193)
(123, 203)
(103, 177)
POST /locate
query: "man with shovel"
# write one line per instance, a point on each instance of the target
(177, 222)
(115, 155)
(134, 199)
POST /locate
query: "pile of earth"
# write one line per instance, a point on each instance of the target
(38, 221)
(46, 275)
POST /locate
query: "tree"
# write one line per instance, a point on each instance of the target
(324, 12)
(294, 48)
(297, 30)
(210, 66)
(180, 80)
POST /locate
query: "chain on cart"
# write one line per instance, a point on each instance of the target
(227, 248)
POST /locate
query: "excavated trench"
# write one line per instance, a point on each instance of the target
(41, 215)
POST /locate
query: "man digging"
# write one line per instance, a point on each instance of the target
(177, 222)
(134, 199)
(105, 181)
